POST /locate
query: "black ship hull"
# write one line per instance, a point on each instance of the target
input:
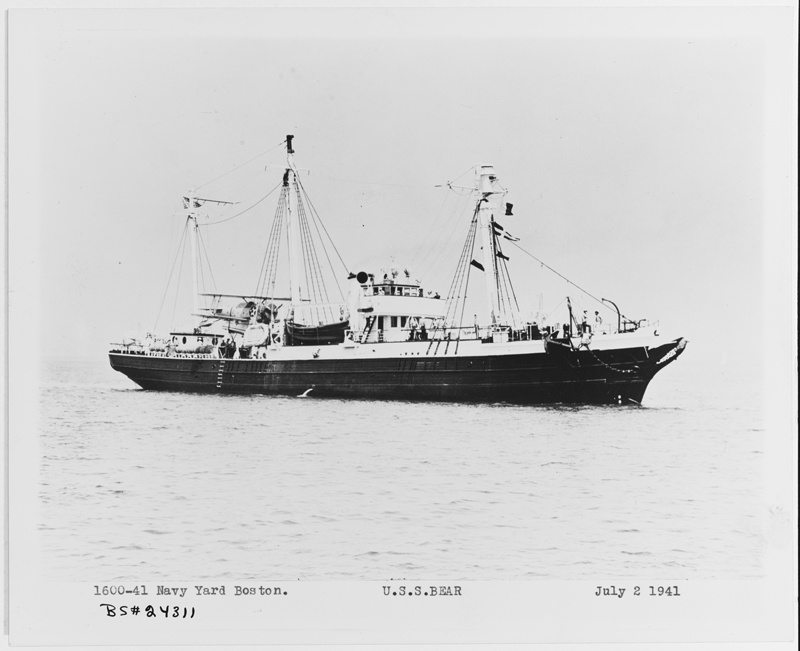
(559, 375)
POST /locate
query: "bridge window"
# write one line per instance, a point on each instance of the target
(394, 321)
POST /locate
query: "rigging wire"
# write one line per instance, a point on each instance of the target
(172, 236)
(200, 270)
(227, 219)
(505, 296)
(471, 168)
(560, 275)
(178, 283)
(434, 266)
(462, 269)
(166, 289)
(238, 190)
(549, 314)
(308, 260)
(315, 219)
(310, 203)
(418, 254)
(466, 281)
(272, 254)
(320, 290)
(448, 184)
(266, 278)
(263, 153)
(208, 259)
(505, 279)
(397, 185)
(315, 283)
(454, 191)
(511, 286)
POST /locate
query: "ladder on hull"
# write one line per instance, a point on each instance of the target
(220, 373)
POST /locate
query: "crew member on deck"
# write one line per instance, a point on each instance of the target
(585, 327)
(598, 321)
(413, 335)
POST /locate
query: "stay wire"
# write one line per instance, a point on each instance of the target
(314, 281)
(166, 289)
(266, 277)
(560, 275)
(208, 259)
(362, 182)
(178, 283)
(505, 277)
(263, 153)
(330, 239)
(553, 311)
(200, 269)
(271, 273)
(469, 169)
(453, 294)
(227, 219)
(418, 255)
(466, 286)
(431, 265)
(315, 219)
(237, 190)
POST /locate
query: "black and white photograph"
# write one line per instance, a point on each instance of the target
(369, 325)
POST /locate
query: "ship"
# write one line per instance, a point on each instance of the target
(391, 338)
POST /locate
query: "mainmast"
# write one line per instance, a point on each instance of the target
(485, 179)
(293, 218)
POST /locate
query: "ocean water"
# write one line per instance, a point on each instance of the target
(138, 485)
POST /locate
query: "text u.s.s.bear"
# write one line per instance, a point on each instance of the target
(420, 591)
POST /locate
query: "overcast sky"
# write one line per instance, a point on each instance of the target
(633, 143)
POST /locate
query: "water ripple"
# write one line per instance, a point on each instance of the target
(243, 487)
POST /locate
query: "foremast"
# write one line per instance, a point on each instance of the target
(488, 205)
(484, 231)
